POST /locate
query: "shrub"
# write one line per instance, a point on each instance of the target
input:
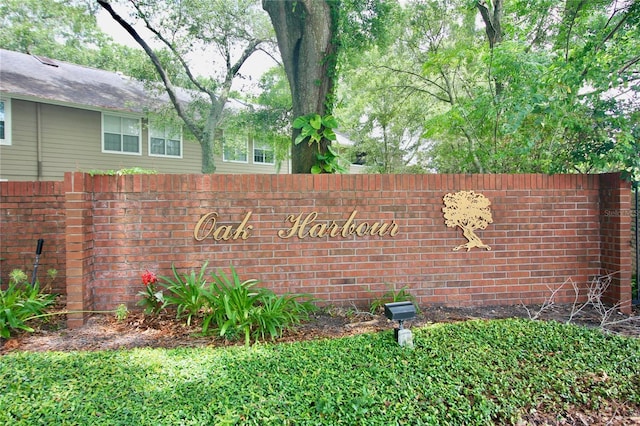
(187, 293)
(237, 310)
(276, 313)
(228, 305)
(20, 303)
(123, 172)
(390, 296)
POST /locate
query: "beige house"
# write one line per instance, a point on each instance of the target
(57, 117)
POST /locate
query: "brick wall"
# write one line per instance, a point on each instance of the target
(615, 237)
(29, 211)
(545, 230)
(632, 215)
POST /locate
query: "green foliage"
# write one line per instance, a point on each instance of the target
(123, 172)
(315, 128)
(121, 312)
(233, 305)
(320, 131)
(557, 93)
(328, 162)
(152, 299)
(21, 302)
(67, 31)
(277, 313)
(186, 293)
(240, 310)
(392, 295)
(466, 373)
(230, 306)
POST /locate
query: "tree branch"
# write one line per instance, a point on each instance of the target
(173, 50)
(195, 129)
(421, 78)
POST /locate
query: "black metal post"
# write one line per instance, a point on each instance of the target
(35, 266)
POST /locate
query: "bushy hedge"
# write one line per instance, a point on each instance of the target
(471, 373)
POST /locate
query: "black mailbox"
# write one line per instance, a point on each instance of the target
(399, 311)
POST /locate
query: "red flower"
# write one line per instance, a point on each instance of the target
(149, 278)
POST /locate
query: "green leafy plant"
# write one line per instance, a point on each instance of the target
(230, 306)
(239, 309)
(275, 314)
(233, 305)
(329, 162)
(493, 372)
(186, 293)
(315, 129)
(121, 312)
(152, 299)
(390, 296)
(123, 172)
(21, 302)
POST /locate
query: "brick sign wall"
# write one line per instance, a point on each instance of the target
(344, 238)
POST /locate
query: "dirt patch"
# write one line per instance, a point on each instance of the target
(104, 332)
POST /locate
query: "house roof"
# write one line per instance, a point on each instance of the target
(31, 76)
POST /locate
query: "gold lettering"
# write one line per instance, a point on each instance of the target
(318, 230)
(225, 230)
(334, 229)
(295, 220)
(207, 226)
(362, 229)
(311, 217)
(205, 220)
(243, 230)
(382, 229)
(301, 227)
(349, 226)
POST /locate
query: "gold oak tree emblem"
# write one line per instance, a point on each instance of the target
(469, 211)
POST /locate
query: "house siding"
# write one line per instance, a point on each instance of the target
(71, 140)
(233, 167)
(18, 161)
(56, 123)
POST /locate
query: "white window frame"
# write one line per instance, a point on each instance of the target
(7, 121)
(128, 117)
(224, 153)
(167, 131)
(262, 146)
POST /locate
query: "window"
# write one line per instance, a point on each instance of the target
(235, 148)
(165, 141)
(5, 121)
(263, 153)
(121, 134)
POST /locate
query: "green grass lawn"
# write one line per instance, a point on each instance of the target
(475, 372)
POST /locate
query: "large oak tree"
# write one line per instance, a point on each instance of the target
(312, 35)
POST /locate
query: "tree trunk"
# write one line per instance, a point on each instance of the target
(305, 29)
(206, 147)
(493, 27)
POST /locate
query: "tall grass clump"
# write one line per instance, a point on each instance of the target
(22, 302)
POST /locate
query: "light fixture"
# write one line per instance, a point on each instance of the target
(401, 311)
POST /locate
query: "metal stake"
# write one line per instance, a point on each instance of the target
(35, 266)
